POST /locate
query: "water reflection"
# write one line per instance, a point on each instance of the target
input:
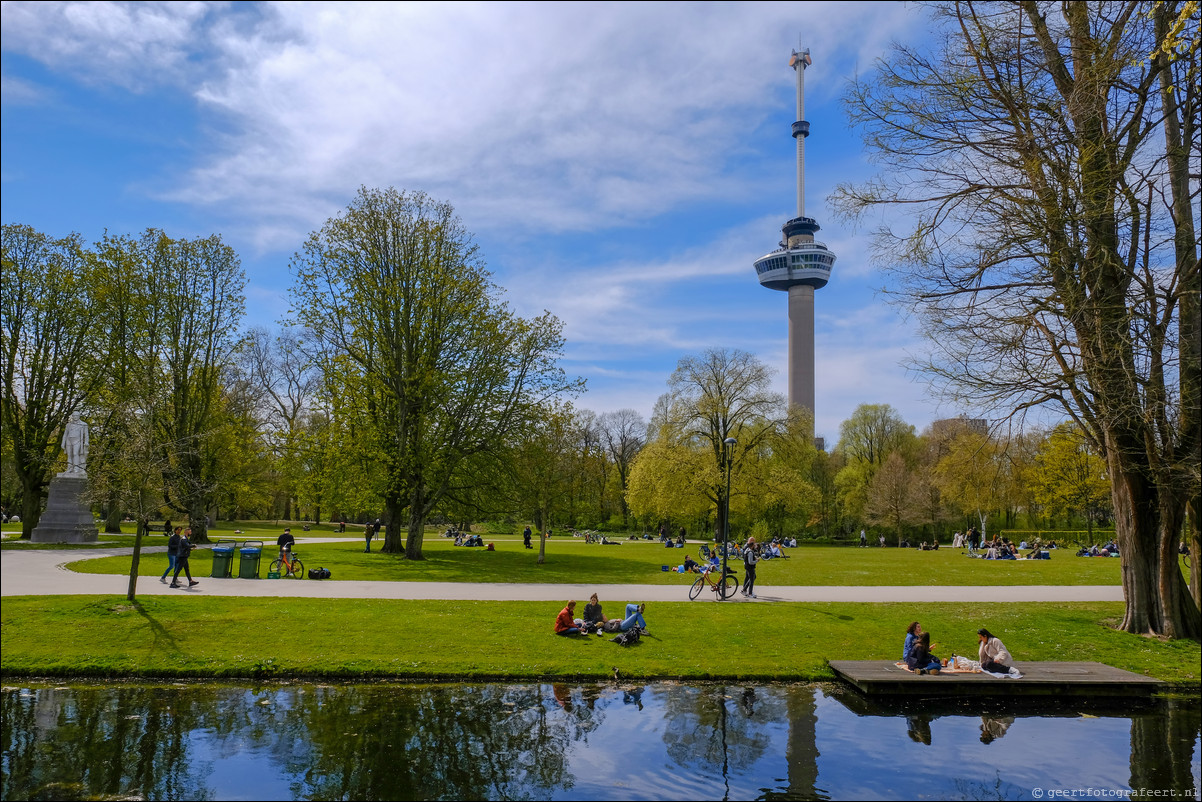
(567, 741)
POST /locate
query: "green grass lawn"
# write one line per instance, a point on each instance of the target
(571, 560)
(232, 637)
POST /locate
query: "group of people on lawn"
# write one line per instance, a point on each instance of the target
(595, 621)
(992, 654)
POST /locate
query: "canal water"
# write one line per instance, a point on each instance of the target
(660, 740)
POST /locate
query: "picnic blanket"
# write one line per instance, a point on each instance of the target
(966, 666)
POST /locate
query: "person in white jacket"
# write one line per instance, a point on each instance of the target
(993, 653)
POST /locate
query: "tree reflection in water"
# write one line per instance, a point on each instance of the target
(81, 743)
(450, 741)
(461, 741)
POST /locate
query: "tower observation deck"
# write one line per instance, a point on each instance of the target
(800, 264)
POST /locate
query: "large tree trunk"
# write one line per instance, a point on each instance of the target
(1147, 529)
(112, 519)
(1195, 543)
(31, 506)
(417, 526)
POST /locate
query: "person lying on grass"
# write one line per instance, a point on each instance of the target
(634, 618)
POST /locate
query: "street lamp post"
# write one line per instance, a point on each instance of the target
(727, 448)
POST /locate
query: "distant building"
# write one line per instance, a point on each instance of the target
(950, 427)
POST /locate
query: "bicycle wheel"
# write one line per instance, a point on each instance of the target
(695, 591)
(730, 584)
(298, 569)
(275, 567)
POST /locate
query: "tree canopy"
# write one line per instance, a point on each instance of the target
(48, 352)
(409, 323)
(1042, 154)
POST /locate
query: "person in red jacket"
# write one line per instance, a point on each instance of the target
(565, 622)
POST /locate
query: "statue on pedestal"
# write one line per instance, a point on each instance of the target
(75, 443)
(68, 514)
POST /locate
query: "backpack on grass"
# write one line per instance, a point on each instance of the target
(628, 637)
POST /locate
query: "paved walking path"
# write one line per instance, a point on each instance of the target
(42, 572)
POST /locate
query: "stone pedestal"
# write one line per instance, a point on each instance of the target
(68, 516)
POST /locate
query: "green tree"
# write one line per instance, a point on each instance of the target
(172, 357)
(48, 347)
(866, 439)
(972, 476)
(285, 390)
(1070, 477)
(1050, 246)
(541, 467)
(407, 320)
(893, 497)
(679, 473)
(624, 432)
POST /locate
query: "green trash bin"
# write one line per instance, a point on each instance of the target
(223, 559)
(248, 559)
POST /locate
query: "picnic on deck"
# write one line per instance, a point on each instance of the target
(994, 658)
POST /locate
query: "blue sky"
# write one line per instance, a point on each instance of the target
(620, 165)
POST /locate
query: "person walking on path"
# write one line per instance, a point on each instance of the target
(172, 552)
(181, 560)
(750, 558)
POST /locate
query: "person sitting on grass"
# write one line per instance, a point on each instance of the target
(594, 619)
(566, 622)
(993, 654)
(920, 659)
(690, 565)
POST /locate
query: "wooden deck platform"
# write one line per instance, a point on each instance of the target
(1094, 680)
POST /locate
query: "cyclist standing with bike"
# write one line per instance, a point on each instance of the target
(285, 542)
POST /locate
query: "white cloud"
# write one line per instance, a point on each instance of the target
(596, 121)
(129, 44)
(15, 91)
(551, 117)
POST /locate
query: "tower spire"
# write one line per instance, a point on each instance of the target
(801, 129)
(801, 265)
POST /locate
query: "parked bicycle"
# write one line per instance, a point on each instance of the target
(724, 585)
(288, 564)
